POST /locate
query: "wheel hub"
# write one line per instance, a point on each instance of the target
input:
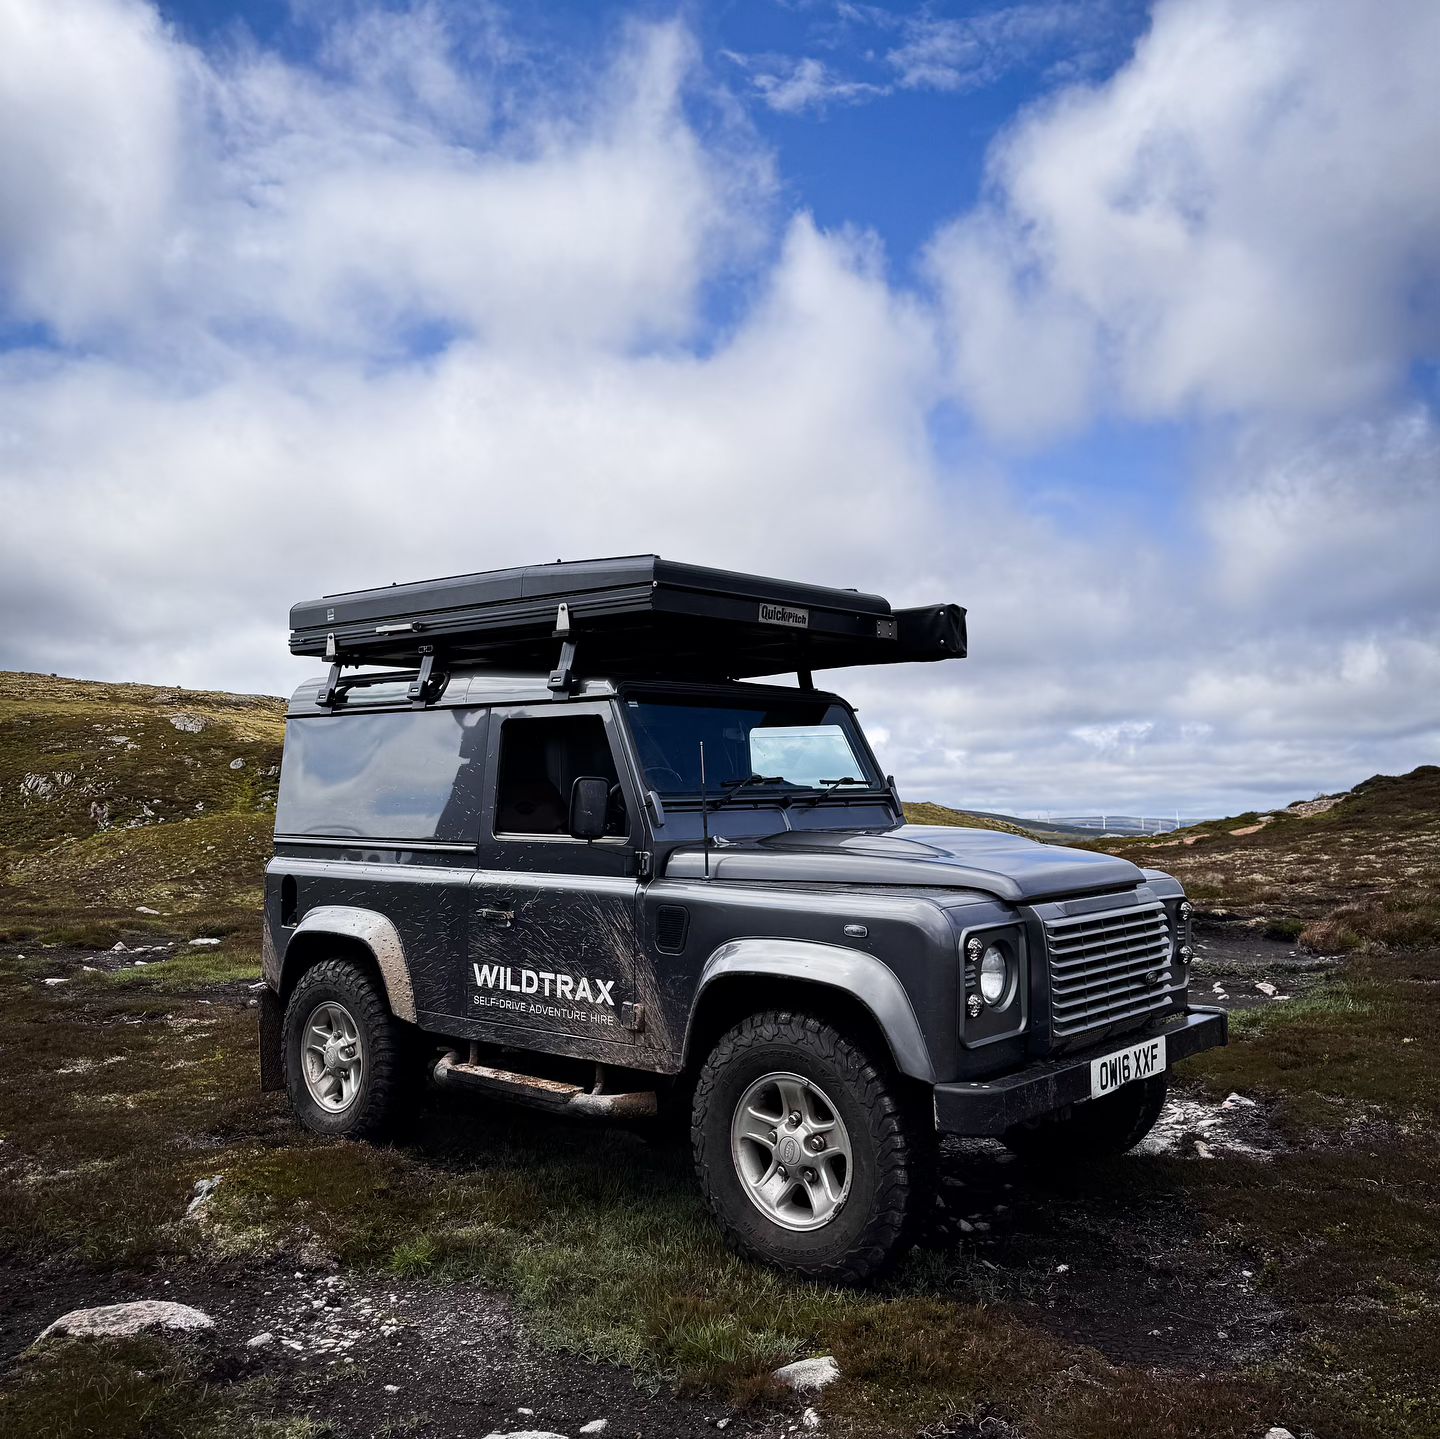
(333, 1058)
(791, 1151)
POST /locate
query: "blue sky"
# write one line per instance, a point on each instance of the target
(1116, 322)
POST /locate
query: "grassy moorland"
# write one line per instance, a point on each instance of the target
(1164, 1295)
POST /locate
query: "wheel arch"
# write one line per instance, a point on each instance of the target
(330, 930)
(842, 985)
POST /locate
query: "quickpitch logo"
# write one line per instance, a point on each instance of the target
(785, 615)
(545, 983)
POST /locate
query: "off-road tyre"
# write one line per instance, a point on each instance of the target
(1098, 1129)
(390, 1069)
(889, 1145)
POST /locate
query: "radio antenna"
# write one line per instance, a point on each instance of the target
(704, 810)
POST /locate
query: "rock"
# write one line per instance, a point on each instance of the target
(118, 947)
(805, 1375)
(523, 1434)
(595, 1426)
(204, 1188)
(122, 1320)
(259, 1341)
(199, 942)
(1265, 987)
(190, 724)
(528, 1413)
(810, 1419)
(1278, 1433)
(56, 981)
(145, 909)
(237, 764)
(392, 1388)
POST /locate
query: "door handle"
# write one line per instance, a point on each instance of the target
(497, 916)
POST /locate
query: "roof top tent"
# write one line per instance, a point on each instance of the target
(639, 615)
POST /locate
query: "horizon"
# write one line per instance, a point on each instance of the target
(976, 303)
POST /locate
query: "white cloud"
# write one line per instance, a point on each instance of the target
(241, 250)
(1246, 216)
(793, 85)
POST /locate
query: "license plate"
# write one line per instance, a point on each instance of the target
(1140, 1061)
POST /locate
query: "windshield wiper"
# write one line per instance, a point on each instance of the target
(734, 786)
(829, 788)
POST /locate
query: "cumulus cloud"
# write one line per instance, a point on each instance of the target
(1244, 217)
(421, 304)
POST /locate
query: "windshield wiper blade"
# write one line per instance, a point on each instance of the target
(829, 788)
(734, 786)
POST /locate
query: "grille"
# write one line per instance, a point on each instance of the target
(671, 923)
(1098, 964)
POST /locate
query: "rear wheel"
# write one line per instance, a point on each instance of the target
(1099, 1129)
(345, 1053)
(806, 1149)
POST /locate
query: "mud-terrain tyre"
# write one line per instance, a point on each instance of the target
(338, 998)
(857, 1211)
(1098, 1129)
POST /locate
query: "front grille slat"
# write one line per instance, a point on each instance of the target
(1098, 964)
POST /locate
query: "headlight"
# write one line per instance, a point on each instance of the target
(997, 976)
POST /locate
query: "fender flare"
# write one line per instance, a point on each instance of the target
(378, 935)
(850, 971)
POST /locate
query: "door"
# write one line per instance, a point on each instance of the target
(553, 918)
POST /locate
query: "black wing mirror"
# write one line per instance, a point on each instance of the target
(589, 806)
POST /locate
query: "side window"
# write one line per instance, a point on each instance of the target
(410, 774)
(540, 759)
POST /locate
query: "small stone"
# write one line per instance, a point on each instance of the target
(237, 763)
(528, 1413)
(1278, 1433)
(595, 1426)
(722, 1423)
(56, 981)
(392, 1388)
(122, 1320)
(808, 1374)
(204, 941)
(118, 947)
(259, 1341)
(523, 1434)
(145, 909)
(810, 1419)
(204, 1188)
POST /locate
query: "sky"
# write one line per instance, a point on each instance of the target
(1118, 324)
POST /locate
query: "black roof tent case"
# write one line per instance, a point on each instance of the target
(638, 615)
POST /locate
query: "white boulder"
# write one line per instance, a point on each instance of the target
(122, 1320)
(806, 1375)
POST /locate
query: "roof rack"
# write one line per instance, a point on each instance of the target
(639, 615)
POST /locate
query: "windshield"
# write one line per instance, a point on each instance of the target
(794, 744)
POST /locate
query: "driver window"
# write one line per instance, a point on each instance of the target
(540, 759)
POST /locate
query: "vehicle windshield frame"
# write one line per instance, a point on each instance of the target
(736, 696)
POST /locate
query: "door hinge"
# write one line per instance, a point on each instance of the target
(643, 860)
(632, 1016)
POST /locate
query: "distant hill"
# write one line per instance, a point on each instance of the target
(116, 799)
(1341, 872)
(926, 813)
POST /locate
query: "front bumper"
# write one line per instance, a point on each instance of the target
(991, 1106)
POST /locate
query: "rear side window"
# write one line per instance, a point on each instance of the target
(540, 759)
(412, 774)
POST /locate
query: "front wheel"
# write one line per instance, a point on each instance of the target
(805, 1148)
(345, 1053)
(1099, 1129)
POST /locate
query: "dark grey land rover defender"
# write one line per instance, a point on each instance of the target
(540, 833)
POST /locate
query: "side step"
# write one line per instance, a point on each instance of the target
(551, 1094)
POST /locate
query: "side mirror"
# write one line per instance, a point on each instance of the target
(589, 805)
